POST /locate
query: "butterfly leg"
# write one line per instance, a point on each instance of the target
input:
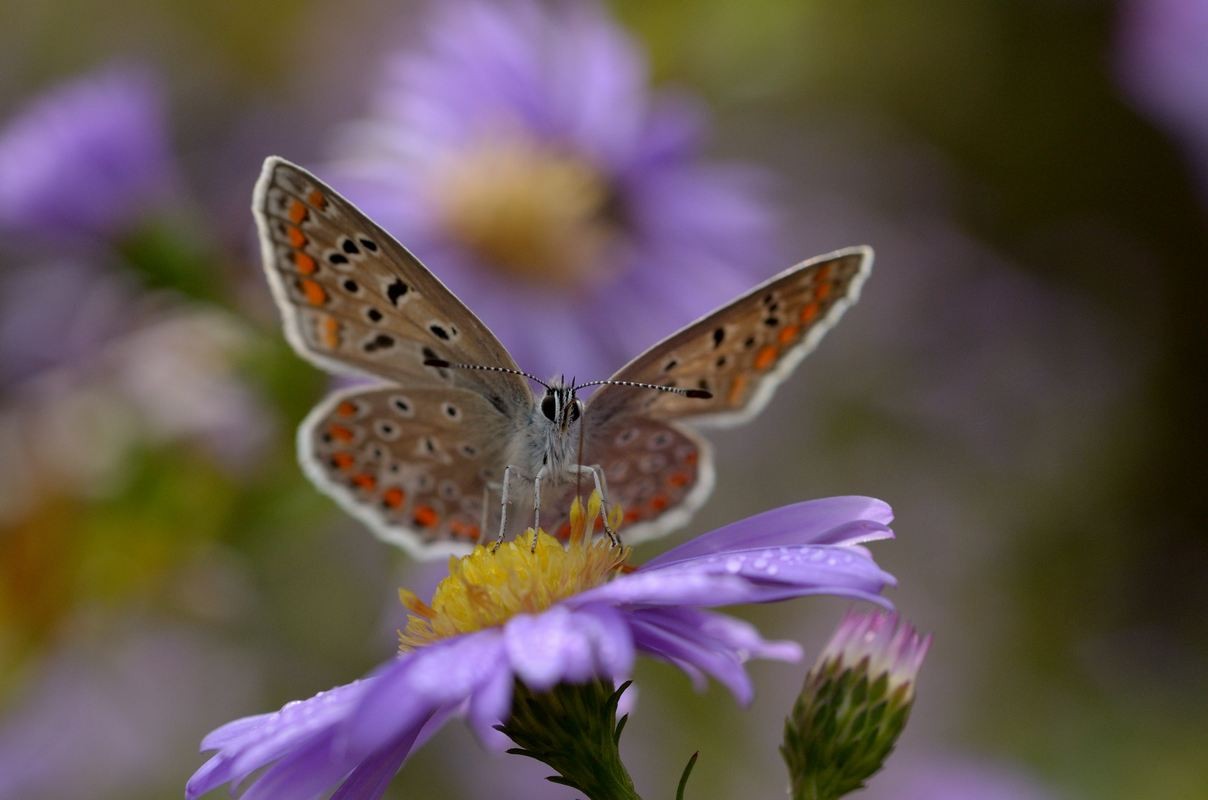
(537, 505)
(597, 474)
(503, 506)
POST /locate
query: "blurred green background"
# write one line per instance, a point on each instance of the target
(1022, 380)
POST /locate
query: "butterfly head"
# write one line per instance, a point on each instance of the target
(560, 406)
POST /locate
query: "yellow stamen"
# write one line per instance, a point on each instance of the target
(528, 210)
(487, 588)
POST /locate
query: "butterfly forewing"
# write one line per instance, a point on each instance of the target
(409, 461)
(740, 352)
(354, 298)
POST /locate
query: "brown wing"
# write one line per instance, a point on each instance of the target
(354, 299)
(742, 351)
(658, 473)
(409, 462)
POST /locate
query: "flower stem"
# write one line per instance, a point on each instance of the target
(573, 728)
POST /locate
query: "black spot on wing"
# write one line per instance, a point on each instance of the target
(396, 291)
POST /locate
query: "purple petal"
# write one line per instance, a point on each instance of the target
(673, 639)
(253, 742)
(232, 732)
(612, 640)
(541, 648)
(833, 520)
(596, 78)
(489, 706)
(561, 645)
(748, 576)
(302, 773)
(740, 636)
(371, 777)
(412, 687)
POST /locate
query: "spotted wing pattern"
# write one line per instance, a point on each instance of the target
(354, 298)
(659, 473)
(742, 351)
(409, 462)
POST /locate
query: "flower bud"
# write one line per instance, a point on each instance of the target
(854, 705)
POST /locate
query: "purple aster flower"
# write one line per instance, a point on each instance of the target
(550, 616)
(1164, 66)
(520, 153)
(86, 158)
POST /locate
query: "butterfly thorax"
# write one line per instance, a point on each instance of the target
(550, 440)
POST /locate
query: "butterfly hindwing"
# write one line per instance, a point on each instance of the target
(742, 351)
(355, 299)
(410, 462)
(659, 473)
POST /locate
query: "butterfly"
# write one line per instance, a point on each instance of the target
(451, 421)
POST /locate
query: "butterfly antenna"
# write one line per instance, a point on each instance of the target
(440, 363)
(702, 394)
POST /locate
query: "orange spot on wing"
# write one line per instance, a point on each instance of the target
(364, 481)
(340, 433)
(305, 263)
(809, 313)
(331, 333)
(788, 333)
(342, 461)
(658, 502)
(736, 389)
(633, 515)
(766, 357)
(347, 408)
(823, 291)
(314, 293)
(393, 497)
(426, 516)
(316, 199)
(692, 457)
(297, 211)
(823, 273)
(295, 236)
(679, 479)
(460, 529)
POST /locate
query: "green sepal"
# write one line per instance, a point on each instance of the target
(573, 729)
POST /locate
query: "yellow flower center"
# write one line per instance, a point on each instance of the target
(527, 210)
(488, 587)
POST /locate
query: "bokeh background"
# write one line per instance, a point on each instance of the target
(1023, 379)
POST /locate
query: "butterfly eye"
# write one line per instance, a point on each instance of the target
(549, 407)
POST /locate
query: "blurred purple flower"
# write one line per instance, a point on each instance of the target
(360, 733)
(1163, 64)
(951, 778)
(520, 153)
(86, 158)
